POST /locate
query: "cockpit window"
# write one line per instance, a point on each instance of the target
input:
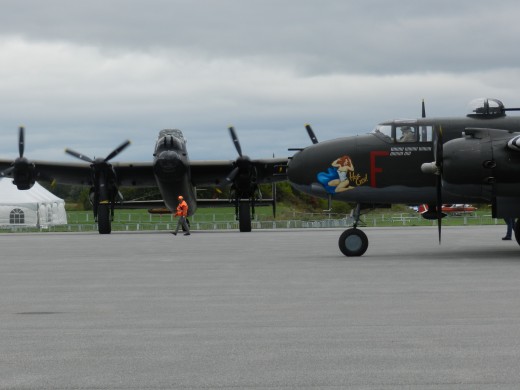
(406, 134)
(383, 131)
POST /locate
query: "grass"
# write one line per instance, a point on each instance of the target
(397, 217)
(287, 217)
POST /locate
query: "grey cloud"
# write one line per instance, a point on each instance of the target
(88, 75)
(314, 37)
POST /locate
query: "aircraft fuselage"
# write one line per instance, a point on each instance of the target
(383, 167)
(171, 168)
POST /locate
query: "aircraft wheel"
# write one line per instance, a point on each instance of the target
(516, 229)
(353, 242)
(244, 217)
(103, 213)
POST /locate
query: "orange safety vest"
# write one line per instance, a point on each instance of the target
(182, 209)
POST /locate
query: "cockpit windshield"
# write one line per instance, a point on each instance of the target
(403, 132)
(383, 131)
(170, 139)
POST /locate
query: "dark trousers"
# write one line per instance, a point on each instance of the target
(182, 221)
(510, 221)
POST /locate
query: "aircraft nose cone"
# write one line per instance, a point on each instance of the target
(298, 169)
(169, 165)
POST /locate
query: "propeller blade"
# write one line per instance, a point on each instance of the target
(7, 172)
(438, 163)
(21, 141)
(439, 148)
(118, 150)
(79, 155)
(312, 136)
(233, 174)
(439, 206)
(235, 140)
(423, 109)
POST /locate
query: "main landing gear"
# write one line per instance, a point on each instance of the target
(104, 219)
(353, 242)
(244, 216)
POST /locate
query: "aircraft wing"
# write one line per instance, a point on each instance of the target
(141, 174)
(135, 174)
(128, 174)
(209, 172)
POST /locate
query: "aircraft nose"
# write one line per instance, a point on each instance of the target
(297, 168)
(169, 164)
(301, 172)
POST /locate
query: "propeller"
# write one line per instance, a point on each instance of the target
(242, 162)
(312, 136)
(243, 178)
(235, 140)
(232, 174)
(104, 186)
(21, 147)
(114, 153)
(21, 141)
(22, 171)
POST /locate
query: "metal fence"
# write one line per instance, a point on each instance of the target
(142, 222)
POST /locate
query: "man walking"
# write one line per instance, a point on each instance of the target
(182, 213)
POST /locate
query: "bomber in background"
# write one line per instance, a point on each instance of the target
(470, 159)
(171, 172)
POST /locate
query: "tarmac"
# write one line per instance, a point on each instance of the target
(270, 309)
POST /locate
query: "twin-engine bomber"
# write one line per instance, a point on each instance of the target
(472, 159)
(432, 161)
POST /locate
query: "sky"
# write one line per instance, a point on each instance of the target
(90, 75)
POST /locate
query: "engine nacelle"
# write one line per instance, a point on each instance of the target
(24, 175)
(481, 165)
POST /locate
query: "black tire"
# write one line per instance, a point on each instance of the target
(244, 217)
(104, 226)
(353, 242)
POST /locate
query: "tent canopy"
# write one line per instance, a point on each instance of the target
(34, 207)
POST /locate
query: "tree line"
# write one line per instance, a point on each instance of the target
(77, 197)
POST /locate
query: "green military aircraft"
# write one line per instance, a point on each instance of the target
(471, 159)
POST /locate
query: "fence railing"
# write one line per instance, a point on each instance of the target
(79, 222)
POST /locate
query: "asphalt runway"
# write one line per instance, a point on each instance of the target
(263, 310)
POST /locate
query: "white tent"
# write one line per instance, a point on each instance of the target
(34, 207)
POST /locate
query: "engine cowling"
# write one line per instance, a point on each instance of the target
(24, 175)
(481, 165)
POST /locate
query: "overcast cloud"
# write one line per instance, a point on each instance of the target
(88, 75)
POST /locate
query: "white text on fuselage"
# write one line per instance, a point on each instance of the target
(408, 150)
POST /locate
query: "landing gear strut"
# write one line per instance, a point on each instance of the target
(244, 216)
(516, 229)
(353, 242)
(103, 218)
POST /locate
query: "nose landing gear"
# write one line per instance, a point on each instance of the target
(353, 242)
